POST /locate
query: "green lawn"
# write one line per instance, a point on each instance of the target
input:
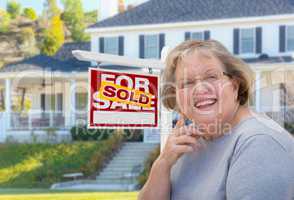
(41, 194)
(40, 165)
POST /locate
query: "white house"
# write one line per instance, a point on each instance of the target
(260, 32)
(54, 89)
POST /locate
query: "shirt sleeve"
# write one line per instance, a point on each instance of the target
(261, 169)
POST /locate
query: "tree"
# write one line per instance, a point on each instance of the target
(4, 21)
(30, 13)
(53, 37)
(50, 9)
(53, 34)
(74, 19)
(13, 8)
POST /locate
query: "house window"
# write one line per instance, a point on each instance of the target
(197, 36)
(247, 40)
(151, 46)
(81, 101)
(51, 102)
(111, 45)
(290, 38)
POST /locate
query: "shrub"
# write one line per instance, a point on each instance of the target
(147, 166)
(30, 13)
(13, 8)
(133, 135)
(82, 133)
(289, 127)
(4, 21)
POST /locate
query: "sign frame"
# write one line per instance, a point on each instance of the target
(126, 126)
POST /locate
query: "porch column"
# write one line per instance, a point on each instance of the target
(257, 91)
(73, 101)
(67, 103)
(8, 103)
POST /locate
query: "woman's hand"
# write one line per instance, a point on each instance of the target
(183, 139)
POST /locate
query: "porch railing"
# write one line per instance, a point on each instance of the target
(37, 119)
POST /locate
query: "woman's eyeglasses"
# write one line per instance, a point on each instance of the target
(209, 78)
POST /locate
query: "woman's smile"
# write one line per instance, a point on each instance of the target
(205, 103)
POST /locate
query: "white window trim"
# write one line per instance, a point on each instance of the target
(254, 43)
(117, 44)
(157, 37)
(286, 38)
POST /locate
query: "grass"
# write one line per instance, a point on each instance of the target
(41, 194)
(40, 165)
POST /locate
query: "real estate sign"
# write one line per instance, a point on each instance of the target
(120, 99)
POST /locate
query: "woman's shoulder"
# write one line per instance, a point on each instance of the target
(261, 166)
(260, 131)
(260, 127)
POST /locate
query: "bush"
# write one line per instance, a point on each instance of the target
(4, 21)
(30, 13)
(133, 135)
(82, 133)
(289, 127)
(147, 166)
(13, 8)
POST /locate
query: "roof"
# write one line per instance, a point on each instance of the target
(64, 53)
(46, 63)
(171, 11)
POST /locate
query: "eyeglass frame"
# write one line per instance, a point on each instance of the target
(201, 79)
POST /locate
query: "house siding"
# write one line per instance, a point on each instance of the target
(223, 33)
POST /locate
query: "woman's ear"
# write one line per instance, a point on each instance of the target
(235, 84)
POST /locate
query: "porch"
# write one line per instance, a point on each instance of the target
(37, 101)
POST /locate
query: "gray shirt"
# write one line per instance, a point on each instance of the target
(254, 161)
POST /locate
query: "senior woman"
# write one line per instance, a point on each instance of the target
(228, 152)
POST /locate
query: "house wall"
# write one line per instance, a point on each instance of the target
(220, 32)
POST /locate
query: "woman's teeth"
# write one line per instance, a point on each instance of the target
(205, 103)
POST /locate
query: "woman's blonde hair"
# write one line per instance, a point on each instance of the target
(233, 66)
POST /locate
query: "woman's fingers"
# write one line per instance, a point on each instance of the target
(180, 122)
(183, 149)
(185, 139)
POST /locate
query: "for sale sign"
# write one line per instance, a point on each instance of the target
(119, 99)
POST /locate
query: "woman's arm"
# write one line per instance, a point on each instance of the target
(158, 184)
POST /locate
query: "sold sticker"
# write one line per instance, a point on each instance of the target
(119, 99)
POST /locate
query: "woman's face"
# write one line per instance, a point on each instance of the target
(204, 94)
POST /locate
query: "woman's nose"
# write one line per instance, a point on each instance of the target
(201, 88)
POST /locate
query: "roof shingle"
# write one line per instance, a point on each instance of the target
(171, 11)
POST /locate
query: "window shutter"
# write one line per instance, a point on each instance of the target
(236, 40)
(43, 102)
(101, 45)
(258, 40)
(282, 35)
(187, 35)
(59, 102)
(141, 46)
(121, 45)
(161, 43)
(206, 35)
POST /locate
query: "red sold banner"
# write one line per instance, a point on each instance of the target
(119, 99)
